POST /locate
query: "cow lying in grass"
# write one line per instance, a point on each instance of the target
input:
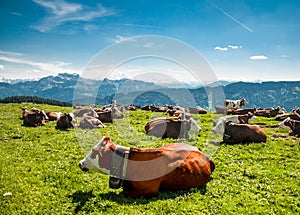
(33, 118)
(176, 127)
(243, 133)
(66, 120)
(291, 125)
(145, 172)
(219, 124)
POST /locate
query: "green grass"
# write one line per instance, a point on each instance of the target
(39, 166)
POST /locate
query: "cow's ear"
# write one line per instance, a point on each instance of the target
(228, 122)
(106, 139)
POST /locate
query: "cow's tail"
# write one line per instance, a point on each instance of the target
(212, 166)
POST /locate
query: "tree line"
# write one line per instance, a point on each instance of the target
(34, 100)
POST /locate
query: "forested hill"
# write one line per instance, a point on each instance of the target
(126, 91)
(266, 94)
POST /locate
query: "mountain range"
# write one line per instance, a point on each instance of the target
(74, 89)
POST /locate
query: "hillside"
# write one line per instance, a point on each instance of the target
(40, 172)
(126, 91)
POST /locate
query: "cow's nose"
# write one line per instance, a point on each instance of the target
(83, 168)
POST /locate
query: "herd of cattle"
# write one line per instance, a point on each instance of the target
(233, 125)
(176, 166)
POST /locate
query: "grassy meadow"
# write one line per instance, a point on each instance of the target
(39, 171)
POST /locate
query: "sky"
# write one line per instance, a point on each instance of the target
(240, 40)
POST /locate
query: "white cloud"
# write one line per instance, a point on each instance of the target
(1, 67)
(49, 68)
(119, 39)
(15, 13)
(221, 48)
(227, 48)
(61, 12)
(258, 57)
(10, 53)
(234, 47)
(59, 8)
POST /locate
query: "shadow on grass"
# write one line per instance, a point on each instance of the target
(163, 195)
(82, 198)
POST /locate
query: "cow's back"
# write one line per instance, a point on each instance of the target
(194, 171)
(245, 133)
(172, 167)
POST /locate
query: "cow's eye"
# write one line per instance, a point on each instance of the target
(94, 153)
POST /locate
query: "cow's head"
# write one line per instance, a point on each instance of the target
(243, 102)
(44, 115)
(219, 126)
(286, 124)
(251, 117)
(116, 113)
(71, 119)
(99, 158)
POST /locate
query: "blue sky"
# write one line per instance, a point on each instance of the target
(240, 40)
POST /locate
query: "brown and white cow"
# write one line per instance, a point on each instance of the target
(294, 116)
(243, 133)
(220, 124)
(176, 127)
(146, 172)
(197, 110)
(297, 110)
(89, 120)
(35, 119)
(241, 111)
(151, 107)
(234, 104)
(53, 116)
(220, 110)
(291, 125)
(268, 112)
(90, 123)
(66, 120)
(109, 112)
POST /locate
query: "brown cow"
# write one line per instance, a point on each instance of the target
(294, 116)
(90, 123)
(243, 133)
(176, 127)
(168, 128)
(35, 119)
(89, 120)
(220, 110)
(267, 112)
(109, 115)
(173, 112)
(66, 120)
(241, 111)
(145, 172)
(220, 124)
(149, 107)
(80, 112)
(291, 125)
(198, 110)
(297, 110)
(53, 116)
